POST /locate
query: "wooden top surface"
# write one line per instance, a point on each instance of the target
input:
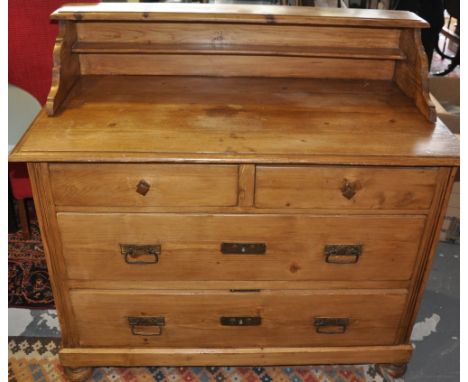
(259, 120)
(239, 13)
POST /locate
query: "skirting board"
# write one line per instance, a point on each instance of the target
(80, 357)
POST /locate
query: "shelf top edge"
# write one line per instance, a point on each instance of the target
(238, 13)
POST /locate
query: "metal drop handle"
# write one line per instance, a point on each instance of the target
(343, 254)
(140, 254)
(146, 326)
(331, 325)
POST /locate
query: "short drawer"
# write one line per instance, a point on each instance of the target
(324, 187)
(130, 185)
(224, 319)
(203, 247)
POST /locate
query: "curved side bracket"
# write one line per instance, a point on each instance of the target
(411, 75)
(66, 67)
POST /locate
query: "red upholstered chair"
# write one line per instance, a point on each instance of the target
(21, 189)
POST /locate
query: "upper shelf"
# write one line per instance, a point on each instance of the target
(235, 13)
(238, 83)
(239, 41)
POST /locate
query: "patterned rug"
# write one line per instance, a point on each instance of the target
(28, 280)
(35, 359)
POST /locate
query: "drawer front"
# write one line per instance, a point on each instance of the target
(344, 187)
(129, 185)
(224, 319)
(239, 247)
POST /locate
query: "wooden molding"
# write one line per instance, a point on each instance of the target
(66, 68)
(411, 75)
(238, 13)
(45, 209)
(78, 357)
(430, 245)
(222, 46)
(246, 185)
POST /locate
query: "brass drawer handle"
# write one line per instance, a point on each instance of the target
(140, 254)
(326, 325)
(349, 189)
(146, 326)
(243, 248)
(342, 254)
(241, 321)
(143, 187)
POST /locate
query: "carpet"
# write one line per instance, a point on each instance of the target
(34, 359)
(28, 279)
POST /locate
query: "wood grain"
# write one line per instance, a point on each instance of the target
(242, 285)
(190, 246)
(192, 318)
(246, 185)
(40, 183)
(170, 185)
(237, 13)
(322, 187)
(66, 68)
(425, 240)
(228, 34)
(235, 66)
(411, 74)
(432, 239)
(252, 356)
(247, 120)
(250, 210)
(237, 50)
(185, 126)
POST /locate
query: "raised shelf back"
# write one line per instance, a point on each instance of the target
(266, 41)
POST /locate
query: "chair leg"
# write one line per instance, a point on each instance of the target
(12, 225)
(23, 217)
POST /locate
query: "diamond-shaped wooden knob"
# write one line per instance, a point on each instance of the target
(143, 187)
(349, 189)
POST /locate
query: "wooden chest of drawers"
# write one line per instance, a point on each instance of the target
(237, 186)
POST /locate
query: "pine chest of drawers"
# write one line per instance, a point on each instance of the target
(235, 185)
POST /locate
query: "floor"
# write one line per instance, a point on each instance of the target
(435, 336)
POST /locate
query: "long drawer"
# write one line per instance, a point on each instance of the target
(187, 247)
(224, 319)
(144, 185)
(327, 187)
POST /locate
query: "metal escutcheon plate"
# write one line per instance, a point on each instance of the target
(241, 321)
(243, 248)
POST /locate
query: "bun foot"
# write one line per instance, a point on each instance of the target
(393, 370)
(78, 374)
